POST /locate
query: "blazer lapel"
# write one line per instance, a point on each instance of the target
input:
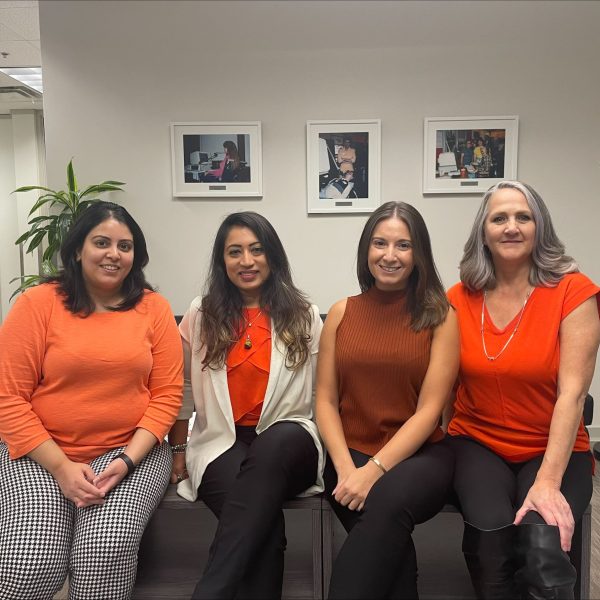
(219, 381)
(277, 363)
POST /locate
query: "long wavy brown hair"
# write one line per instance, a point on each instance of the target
(222, 306)
(426, 299)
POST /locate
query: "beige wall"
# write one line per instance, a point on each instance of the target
(9, 253)
(117, 73)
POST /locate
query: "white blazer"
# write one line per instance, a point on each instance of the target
(289, 397)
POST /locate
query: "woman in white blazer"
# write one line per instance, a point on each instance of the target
(250, 347)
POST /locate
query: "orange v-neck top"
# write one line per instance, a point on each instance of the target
(507, 404)
(248, 368)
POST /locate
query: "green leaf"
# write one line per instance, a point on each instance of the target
(49, 269)
(27, 281)
(28, 188)
(22, 238)
(36, 241)
(100, 188)
(50, 251)
(41, 218)
(43, 200)
(71, 181)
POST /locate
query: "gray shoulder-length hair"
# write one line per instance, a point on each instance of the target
(549, 261)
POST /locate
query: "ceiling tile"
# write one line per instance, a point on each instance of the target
(21, 54)
(23, 21)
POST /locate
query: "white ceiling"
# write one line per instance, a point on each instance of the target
(20, 39)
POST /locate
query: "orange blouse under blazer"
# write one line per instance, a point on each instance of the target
(248, 369)
(507, 404)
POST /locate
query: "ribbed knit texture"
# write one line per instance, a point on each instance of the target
(381, 363)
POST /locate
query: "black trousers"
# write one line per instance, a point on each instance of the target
(245, 488)
(490, 490)
(378, 557)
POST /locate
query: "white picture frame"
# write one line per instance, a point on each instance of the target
(446, 153)
(335, 148)
(216, 159)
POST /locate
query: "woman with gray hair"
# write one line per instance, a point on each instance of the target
(530, 329)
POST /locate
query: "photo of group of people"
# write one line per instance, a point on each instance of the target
(344, 165)
(470, 153)
(217, 158)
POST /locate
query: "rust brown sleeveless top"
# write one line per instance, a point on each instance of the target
(381, 363)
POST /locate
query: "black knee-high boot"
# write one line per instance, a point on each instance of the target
(490, 558)
(547, 572)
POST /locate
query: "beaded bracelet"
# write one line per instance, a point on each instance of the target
(178, 448)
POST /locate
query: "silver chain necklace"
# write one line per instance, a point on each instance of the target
(512, 335)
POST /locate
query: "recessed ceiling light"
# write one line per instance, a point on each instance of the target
(30, 76)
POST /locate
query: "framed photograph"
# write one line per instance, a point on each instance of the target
(216, 159)
(343, 166)
(467, 155)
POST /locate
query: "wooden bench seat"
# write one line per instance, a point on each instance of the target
(177, 539)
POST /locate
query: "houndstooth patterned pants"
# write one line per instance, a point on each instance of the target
(44, 537)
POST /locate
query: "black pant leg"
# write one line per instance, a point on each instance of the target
(248, 547)
(486, 487)
(378, 545)
(576, 486)
(220, 475)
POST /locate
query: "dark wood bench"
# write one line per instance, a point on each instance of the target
(175, 546)
(176, 543)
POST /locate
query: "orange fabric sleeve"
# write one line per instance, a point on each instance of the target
(22, 341)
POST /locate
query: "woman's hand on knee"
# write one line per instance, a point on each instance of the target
(179, 470)
(75, 481)
(352, 489)
(545, 498)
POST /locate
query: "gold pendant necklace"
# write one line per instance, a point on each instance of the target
(512, 335)
(248, 342)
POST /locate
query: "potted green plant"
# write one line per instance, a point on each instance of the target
(65, 206)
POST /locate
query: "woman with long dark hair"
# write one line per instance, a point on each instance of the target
(90, 383)
(387, 361)
(250, 347)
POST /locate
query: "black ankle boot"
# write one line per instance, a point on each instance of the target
(490, 558)
(547, 572)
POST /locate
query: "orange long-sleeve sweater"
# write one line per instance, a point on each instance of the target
(87, 383)
(381, 363)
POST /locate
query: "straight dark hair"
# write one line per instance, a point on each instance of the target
(426, 298)
(70, 279)
(222, 304)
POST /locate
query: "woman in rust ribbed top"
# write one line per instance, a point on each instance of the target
(529, 331)
(387, 361)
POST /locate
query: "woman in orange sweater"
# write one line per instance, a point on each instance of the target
(90, 383)
(529, 332)
(387, 361)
